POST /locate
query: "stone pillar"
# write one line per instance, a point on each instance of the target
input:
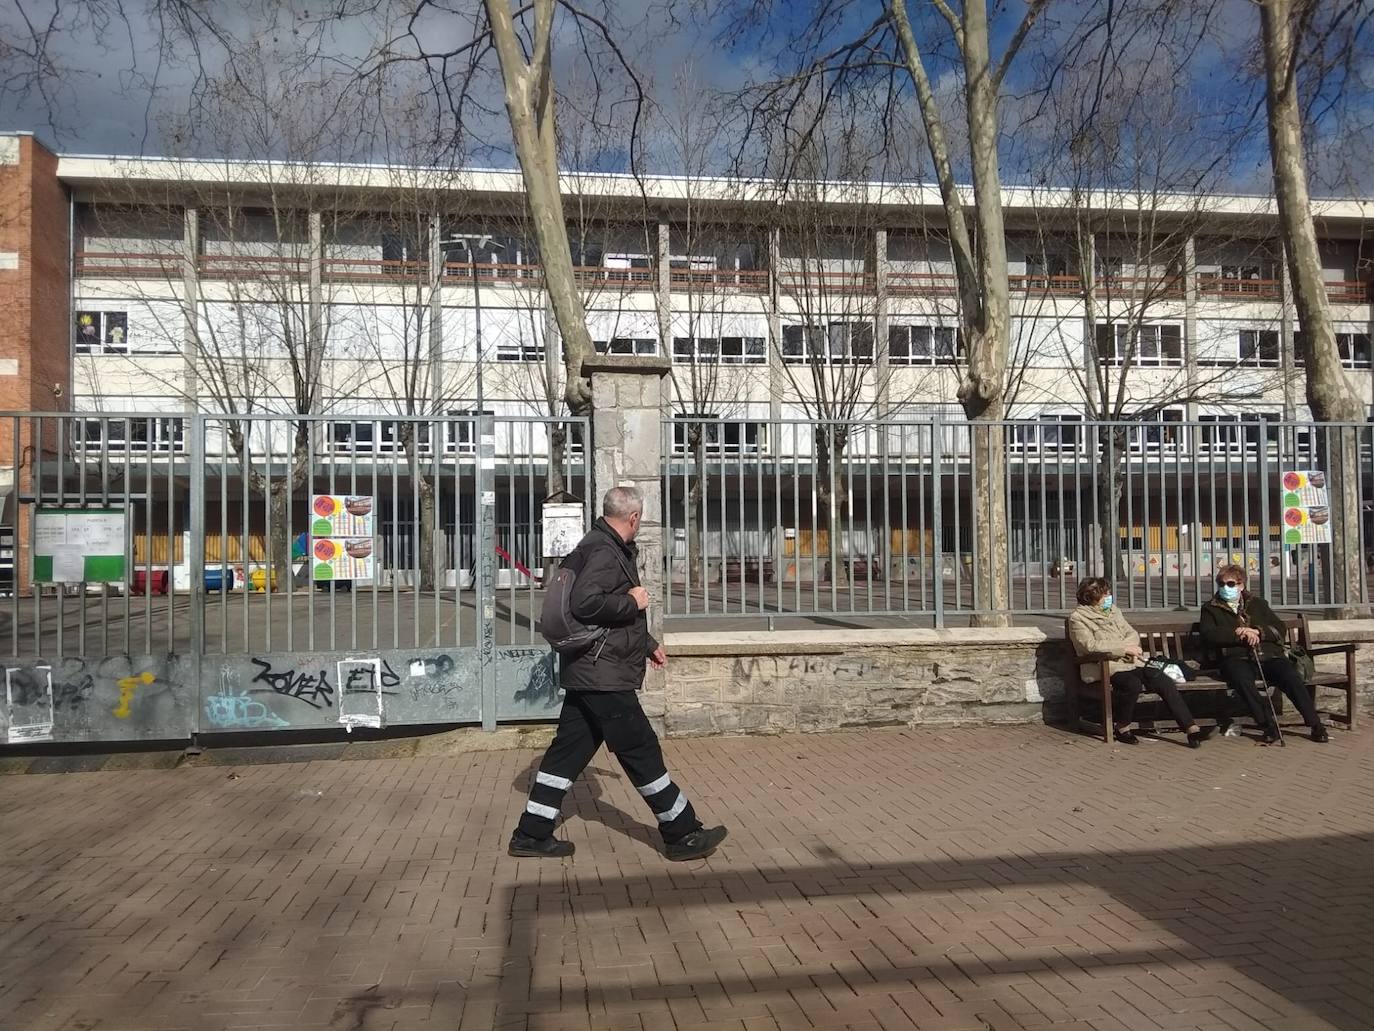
(629, 397)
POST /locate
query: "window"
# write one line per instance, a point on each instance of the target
(1352, 347)
(1259, 347)
(519, 350)
(1234, 433)
(401, 247)
(160, 434)
(924, 345)
(719, 436)
(726, 350)
(627, 345)
(838, 343)
(1107, 271)
(628, 268)
(107, 332)
(1050, 432)
(462, 430)
(1160, 431)
(1155, 345)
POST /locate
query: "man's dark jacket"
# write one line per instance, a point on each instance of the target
(1218, 627)
(600, 597)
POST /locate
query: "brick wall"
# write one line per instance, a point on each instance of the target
(35, 348)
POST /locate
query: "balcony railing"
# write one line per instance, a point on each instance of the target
(1226, 287)
(152, 265)
(126, 265)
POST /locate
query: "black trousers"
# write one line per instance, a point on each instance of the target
(1129, 684)
(1240, 674)
(615, 717)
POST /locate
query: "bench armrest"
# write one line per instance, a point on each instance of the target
(1334, 649)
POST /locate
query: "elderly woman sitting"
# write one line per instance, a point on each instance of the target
(1097, 627)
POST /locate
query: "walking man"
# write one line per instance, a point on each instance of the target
(602, 703)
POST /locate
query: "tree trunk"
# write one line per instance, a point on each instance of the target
(1329, 395)
(279, 542)
(696, 507)
(429, 561)
(530, 104)
(831, 498)
(1110, 488)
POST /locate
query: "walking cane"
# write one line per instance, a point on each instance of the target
(1268, 696)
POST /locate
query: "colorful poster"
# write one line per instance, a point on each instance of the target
(341, 558)
(79, 545)
(1306, 509)
(340, 515)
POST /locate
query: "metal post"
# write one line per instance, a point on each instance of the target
(477, 315)
(937, 484)
(486, 574)
(197, 562)
(1264, 508)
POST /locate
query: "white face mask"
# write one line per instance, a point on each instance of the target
(1106, 603)
(1228, 593)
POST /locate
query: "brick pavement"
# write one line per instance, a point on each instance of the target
(991, 878)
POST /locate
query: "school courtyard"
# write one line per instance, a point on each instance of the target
(960, 879)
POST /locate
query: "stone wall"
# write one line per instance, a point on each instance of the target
(825, 680)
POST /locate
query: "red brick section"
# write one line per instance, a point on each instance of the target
(35, 300)
(963, 880)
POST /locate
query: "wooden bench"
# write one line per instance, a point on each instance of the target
(1182, 641)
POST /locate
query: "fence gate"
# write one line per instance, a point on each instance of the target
(207, 573)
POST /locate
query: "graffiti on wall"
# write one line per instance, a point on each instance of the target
(310, 686)
(76, 698)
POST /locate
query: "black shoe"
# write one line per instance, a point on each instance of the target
(1200, 735)
(1320, 735)
(1270, 735)
(525, 847)
(697, 845)
(1126, 737)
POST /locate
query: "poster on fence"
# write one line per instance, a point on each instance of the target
(340, 515)
(1306, 509)
(341, 558)
(85, 545)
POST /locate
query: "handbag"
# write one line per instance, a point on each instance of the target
(1175, 669)
(1306, 665)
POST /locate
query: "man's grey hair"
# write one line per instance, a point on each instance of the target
(622, 502)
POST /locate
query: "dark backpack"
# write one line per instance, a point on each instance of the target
(566, 634)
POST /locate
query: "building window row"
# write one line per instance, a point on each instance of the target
(732, 350)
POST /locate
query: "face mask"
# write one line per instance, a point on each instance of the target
(1228, 593)
(1106, 603)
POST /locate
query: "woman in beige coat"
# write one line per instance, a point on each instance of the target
(1097, 627)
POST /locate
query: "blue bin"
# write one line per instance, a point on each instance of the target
(217, 579)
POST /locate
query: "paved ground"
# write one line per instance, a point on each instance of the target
(939, 879)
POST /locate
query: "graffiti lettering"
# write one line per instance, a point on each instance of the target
(127, 686)
(239, 712)
(360, 679)
(422, 666)
(542, 685)
(310, 687)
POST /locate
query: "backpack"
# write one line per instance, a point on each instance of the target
(566, 634)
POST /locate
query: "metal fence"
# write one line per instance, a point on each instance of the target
(217, 622)
(777, 518)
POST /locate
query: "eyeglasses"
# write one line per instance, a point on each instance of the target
(1233, 583)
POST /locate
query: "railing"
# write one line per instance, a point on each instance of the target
(151, 265)
(126, 265)
(1226, 287)
(798, 518)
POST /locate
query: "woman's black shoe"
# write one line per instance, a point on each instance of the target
(1270, 735)
(1126, 737)
(1320, 735)
(1196, 738)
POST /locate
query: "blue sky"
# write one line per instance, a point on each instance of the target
(117, 91)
